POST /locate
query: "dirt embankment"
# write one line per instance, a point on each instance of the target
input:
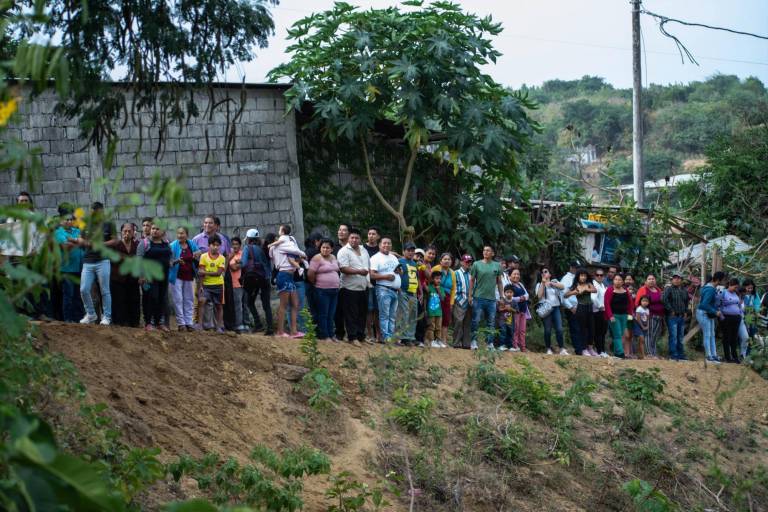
(198, 392)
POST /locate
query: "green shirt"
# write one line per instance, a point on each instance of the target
(485, 276)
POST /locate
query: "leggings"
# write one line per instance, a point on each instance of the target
(618, 326)
(731, 324)
(654, 333)
(586, 322)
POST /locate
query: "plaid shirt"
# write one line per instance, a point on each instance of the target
(675, 299)
(462, 288)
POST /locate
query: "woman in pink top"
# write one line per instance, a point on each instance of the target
(654, 293)
(324, 275)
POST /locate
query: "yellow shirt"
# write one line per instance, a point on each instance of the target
(209, 264)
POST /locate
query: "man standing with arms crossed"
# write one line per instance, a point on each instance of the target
(353, 295)
(484, 280)
(385, 274)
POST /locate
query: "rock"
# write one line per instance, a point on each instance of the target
(691, 377)
(290, 372)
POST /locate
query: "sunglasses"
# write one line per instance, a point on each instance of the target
(599, 275)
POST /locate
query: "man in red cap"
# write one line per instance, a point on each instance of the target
(462, 311)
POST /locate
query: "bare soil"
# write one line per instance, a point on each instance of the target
(199, 392)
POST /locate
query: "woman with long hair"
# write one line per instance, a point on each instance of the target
(324, 276)
(582, 288)
(656, 307)
(618, 308)
(448, 284)
(181, 278)
(548, 289)
(731, 315)
(523, 313)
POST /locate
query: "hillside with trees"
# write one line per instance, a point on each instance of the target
(681, 121)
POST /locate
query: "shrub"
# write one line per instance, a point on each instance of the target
(499, 441)
(413, 414)
(647, 498)
(349, 495)
(324, 392)
(641, 385)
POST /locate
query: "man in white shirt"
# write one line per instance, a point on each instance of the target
(385, 274)
(598, 312)
(570, 304)
(355, 266)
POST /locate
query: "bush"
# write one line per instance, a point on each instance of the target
(499, 441)
(647, 498)
(324, 392)
(641, 385)
(413, 414)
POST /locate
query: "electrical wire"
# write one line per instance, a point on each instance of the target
(684, 52)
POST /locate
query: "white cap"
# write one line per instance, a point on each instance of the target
(252, 233)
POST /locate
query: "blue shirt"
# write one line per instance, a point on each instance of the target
(260, 258)
(72, 259)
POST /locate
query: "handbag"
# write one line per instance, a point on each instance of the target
(543, 309)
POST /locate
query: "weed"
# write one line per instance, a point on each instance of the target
(563, 363)
(726, 395)
(641, 385)
(413, 414)
(272, 482)
(758, 355)
(350, 363)
(648, 498)
(308, 344)
(324, 392)
(696, 454)
(435, 374)
(634, 418)
(501, 441)
(393, 370)
(349, 495)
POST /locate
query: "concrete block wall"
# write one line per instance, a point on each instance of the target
(259, 187)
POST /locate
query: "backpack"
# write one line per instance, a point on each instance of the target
(252, 275)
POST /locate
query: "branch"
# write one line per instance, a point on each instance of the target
(407, 184)
(411, 490)
(375, 189)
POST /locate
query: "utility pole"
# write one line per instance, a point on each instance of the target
(638, 177)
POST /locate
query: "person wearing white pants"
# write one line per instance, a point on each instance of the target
(181, 278)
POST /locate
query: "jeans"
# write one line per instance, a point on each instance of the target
(406, 316)
(241, 309)
(708, 333)
(506, 334)
(301, 324)
(183, 293)
(71, 302)
(676, 327)
(574, 328)
(325, 306)
(264, 290)
(484, 308)
(92, 272)
(618, 326)
(386, 299)
(554, 319)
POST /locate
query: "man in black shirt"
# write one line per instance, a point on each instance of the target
(96, 266)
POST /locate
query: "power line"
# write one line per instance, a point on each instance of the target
(684, 52)
(666, 19)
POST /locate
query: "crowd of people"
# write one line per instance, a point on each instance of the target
(363, 291)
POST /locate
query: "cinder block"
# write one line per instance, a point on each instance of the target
(230, 194)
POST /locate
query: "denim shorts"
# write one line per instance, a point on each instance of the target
(285, 282)
(373, 303)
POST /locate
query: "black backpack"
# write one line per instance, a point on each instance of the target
(253, 274)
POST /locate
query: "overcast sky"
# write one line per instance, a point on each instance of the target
(547, 39)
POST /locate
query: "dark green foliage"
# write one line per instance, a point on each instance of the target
(499, 440)
(641, 385)
(647, 498)
(349, 495)
(271, 482)
(414, 414)
(324, 392)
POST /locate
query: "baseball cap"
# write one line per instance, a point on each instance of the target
(409, 245)
(421, 251)
(467, 257)
(512, 258)
(676, 274)
(252, 233)
(575, 263)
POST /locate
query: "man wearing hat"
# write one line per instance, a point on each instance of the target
(409, 295)
(462, 311)
(257, 270)
(675, 299)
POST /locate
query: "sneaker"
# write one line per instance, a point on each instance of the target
(491, 347)
(435, 344)
(356, 343)
(592, 352)
(473, 345)
(564, 352)
(89, 319)
(298, 334)
(220, 330)
(283, 335)
(715, 360)
(514, 349)
(421, 344)
(549, 352)
(603, 354)
(149, 327)
(105, 321)
(504, 348)
(197, 327)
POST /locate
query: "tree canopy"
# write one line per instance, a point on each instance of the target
(418, 69)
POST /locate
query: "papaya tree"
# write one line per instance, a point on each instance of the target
(415, 72)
